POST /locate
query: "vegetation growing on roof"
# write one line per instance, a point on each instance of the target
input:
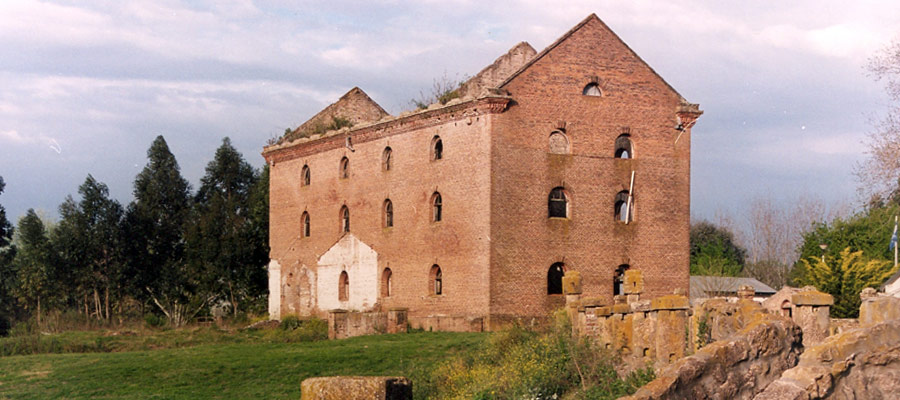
(442, 91)
(336, 123)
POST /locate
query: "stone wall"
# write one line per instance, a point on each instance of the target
(343, 324)
(356, 387)
(496, 241)
(858, 364)
(644, 332)
(738, 367)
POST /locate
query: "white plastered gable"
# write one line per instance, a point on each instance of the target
(360, 262)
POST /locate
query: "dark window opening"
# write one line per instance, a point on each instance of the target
(304, 180)
(619, 280)
(386, 283)
(386, 159)
(436, 281)
(558, 204)
(388, 213)
(437, 148)
(437, 207)
(554, 278)
(592, 89)
(786, 309)
(345, 219)
(344, 286)
(305, 220)
(624, 147)
(345, 168)
(624, 207)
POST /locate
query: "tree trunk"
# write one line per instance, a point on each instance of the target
(233, 302)
(39, 312)
(97, 310)
(107, 302)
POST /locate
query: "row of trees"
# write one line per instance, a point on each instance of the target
(837, 254)
(170, 250)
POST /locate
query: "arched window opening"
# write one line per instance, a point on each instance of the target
(345, 219)
(786, 309)
(436, 281)
(624, 207)
(386, 159)
(345, 168)
(344, 286)
(554, 278)
(305, 223)
(559, 142)
(558, 203)
(386, 283)
(437, 148)
(623, 147)
(437, 207)
(388, 213)
(304, 176)
(619, 279)
(592, 89)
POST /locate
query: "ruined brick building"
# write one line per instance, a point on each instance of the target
(468, 213)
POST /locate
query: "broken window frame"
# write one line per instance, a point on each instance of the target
(619, 279)
(622, 208)
(344, 286)
(386, 158)
(558, 203)
(624, 147)
(437, 207)
(388, 214)
(305, 176)
(437, 148)
(436, 281)
(592, 89)
(386, 276)
(345, 219)
(345, 168)
(554, 278)
(305, 229)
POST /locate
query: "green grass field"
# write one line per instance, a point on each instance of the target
(236, 366)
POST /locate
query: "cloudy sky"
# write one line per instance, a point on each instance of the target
(86, 86)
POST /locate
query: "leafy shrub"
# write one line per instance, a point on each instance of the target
(154, 321)
(517, 363)
(289, 323)
(293, 329)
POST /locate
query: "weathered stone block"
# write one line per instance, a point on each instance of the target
(812, 298)
(571, 282)
(621, 309)
(593, 302)
(670, 302)
(875, 310)
(356, 387)
(634, 281)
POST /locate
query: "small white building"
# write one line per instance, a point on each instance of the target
(892, 286)
(727, 286)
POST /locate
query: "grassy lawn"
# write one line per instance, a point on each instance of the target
(235, 367)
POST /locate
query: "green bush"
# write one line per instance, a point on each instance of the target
(294, 329)
(154, 321)
(519, 363)
(289, 323)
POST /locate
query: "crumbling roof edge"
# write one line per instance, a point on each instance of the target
(330, 106)
(570, 33)
(389, 119)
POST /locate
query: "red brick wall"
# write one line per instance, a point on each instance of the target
(495, 243)
(525, 243)
(459, 243)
